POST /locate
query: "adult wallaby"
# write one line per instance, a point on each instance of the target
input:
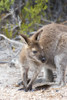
(32, 58)
(53, 39)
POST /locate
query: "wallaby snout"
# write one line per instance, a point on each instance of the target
(43, 59)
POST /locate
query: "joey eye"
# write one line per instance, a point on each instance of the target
(35, 52)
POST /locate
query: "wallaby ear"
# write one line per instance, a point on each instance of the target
(25, 38)
(35, 36)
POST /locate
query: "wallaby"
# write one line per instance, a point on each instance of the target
(48, 48)
(31, 58)
(53, 39)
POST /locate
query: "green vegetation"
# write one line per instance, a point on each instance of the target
(5, 4)
(31, 14)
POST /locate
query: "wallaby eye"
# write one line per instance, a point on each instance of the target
(35, 52)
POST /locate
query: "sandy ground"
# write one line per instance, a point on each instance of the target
(8, 90)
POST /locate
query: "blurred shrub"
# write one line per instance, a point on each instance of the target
(5, 5)
(31, 14)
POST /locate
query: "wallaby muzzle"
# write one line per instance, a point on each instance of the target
(42, 58)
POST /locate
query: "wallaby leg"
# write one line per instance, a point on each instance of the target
(24, 80)
(24, 77)
(63, 68)
(60, 68)
(33, 79)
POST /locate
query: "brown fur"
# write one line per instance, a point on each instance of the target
(53, 39)
(31, 57)
(51, 43)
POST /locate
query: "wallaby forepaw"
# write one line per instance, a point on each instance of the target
(29, 88)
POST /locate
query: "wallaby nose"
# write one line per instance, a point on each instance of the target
(43, 59)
